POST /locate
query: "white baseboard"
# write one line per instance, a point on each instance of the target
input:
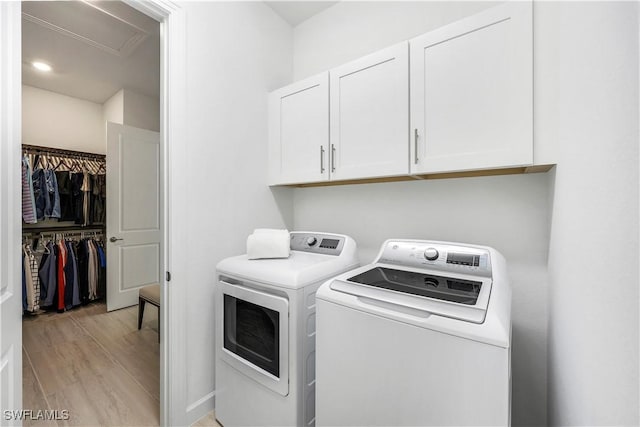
(201, 407)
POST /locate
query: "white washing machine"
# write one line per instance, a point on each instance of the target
(420, 337)
(265, 331)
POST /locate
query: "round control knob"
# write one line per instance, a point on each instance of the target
(431, 254)
(311, 241)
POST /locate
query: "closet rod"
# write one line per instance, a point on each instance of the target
(51, 234)
(62, 230)
(36, 149)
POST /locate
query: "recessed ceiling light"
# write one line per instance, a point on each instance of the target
(41, 66)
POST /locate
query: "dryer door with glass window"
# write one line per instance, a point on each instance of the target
(255, 327)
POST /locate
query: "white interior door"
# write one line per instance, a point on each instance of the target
(133, 213)
(10, 211)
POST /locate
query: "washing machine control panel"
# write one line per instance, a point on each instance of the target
(438, 256)
(319, 243)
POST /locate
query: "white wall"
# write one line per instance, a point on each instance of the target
(113, 109)
(50, 119)
(133, 109)
(141, 111)
(236, 52)
(53, 120)
(593, 254)
(351, 29)
(509, 213)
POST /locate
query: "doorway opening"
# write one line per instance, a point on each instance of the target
(92, 211)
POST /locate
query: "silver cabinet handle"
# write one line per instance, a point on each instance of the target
(321, 159)
(415, 145)
(333, 158)
(114, 239)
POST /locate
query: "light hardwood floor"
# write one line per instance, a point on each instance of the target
(208, 420)
(96, 365)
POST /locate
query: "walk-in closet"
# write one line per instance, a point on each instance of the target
(91, 215)
(64, 263)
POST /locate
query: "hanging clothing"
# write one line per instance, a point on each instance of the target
(76, 290)
(82, 253)
(67, 273)
(77, 180)
(24, 286)
(45, 191)
(102, 257)
(29, 287)
(67, 195)
(102, 271)
(52, 194)
(40, 194)
(65, 192)
(32, 281)
(93, 271)
(62, 262)
(36, 279)
(68, 276)
(48, 275)
(86, 206)
(98, 196)
(28, 200)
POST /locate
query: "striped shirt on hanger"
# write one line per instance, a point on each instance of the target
(28, 200)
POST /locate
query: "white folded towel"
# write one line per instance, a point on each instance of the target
(268, 243)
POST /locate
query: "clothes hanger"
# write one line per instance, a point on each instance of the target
(45, 246)
(76, 166)
(56, 162)
(67, 163)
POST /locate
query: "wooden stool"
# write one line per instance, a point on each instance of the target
(150, 294)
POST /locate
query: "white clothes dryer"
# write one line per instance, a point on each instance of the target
(420, 337)
(265, 331)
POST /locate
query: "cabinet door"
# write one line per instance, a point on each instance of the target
(369, 115)
(471, 92)
(299, 132)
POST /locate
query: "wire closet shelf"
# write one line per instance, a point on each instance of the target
(61, 159)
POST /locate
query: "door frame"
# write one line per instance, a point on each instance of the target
(172, 130)
(11, 206)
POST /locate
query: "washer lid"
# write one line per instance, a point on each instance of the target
(456, 296)
(462, 291)
(299, 270)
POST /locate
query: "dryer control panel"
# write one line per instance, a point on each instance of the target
(319, 243)
(437, 256)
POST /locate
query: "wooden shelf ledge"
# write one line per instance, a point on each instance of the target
(447, 175)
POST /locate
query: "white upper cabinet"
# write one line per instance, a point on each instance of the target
(369, 110)
(459, 98)
(471, 93)
(299, 132)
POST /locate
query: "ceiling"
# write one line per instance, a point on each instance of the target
(95, 49)
(294, 12)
